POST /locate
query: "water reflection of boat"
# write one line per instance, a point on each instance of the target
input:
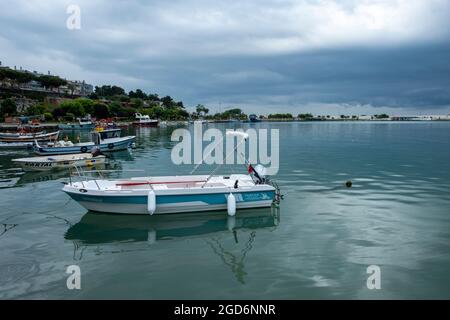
(60, 161)
(216, 230)
(41, 176)
(95, 228)
(8, 182)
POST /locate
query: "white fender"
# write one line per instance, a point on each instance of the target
(231, 205)
(151, 202)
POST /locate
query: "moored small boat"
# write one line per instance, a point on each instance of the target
(170, 194)
(16, 145)
(253, 118)
(175, 194)
(19, 134)
(31, 137)
(108, 140)
(144, 120)
(60, 161)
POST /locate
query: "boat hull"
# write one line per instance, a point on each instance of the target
(166, 204)
(17, 135)
(16, 145)
(31, 138)
(76, 126)
(104, 147)
(146, 124)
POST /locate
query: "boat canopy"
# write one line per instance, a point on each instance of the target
(97, 136)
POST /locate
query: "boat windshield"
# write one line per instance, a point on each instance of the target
(110, 134)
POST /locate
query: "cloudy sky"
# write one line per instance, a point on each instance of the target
(324, 57)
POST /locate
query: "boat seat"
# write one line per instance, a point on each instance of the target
(160, 187)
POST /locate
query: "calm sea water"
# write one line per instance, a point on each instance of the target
(317, 244)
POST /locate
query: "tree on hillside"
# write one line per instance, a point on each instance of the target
(138, 94)
(38, 109)
(305, 116)
(51, 82)
(100, 110)
(74, 107)
(280, 116)
(87, 104)
(168, 102)
(137, 103)
(8, 107)
(58, 112)
(109, 91)
(201, 110)
(180, 104)
(153, 97)
(16, 77)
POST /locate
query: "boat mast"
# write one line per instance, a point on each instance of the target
(230, 133)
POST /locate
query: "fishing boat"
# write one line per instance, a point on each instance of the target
(30, 137)
(175, 194)
(253, 118)
(60, 161)
(16, 145)
(19, 134)
(107, 140)
(144, 120)
(82, 124)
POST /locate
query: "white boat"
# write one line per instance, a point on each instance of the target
(31, 137)
(16, 145)
(19, 134)
(60, 161)
(108, 140)
(144, 120)
(174, 194)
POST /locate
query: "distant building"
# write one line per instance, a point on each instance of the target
(421, 118)
(73, 87)
(77, 88)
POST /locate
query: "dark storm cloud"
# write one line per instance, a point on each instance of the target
(269, 54)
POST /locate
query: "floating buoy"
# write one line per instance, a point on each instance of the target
(231, 205)
(348, 184)
(151, 202)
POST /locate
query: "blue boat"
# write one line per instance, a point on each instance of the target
(106, 140)
(253, 118)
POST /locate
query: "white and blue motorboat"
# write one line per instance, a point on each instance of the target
(171, 194)
(175, 194)
(108, 140)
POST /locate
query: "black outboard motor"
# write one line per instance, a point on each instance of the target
(258, 173)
